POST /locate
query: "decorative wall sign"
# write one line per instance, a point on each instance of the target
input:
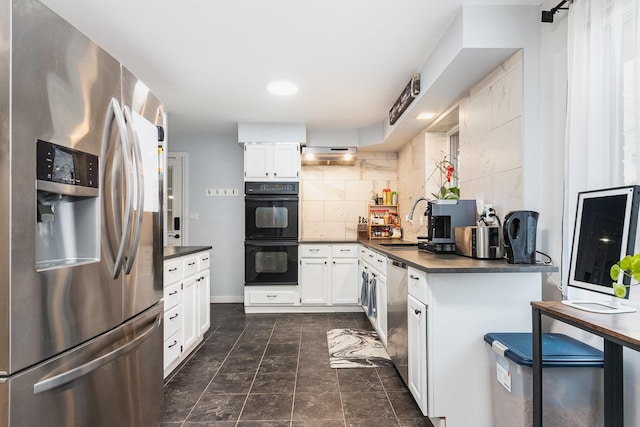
(405, 99)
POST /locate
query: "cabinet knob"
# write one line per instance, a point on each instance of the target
(418, 312)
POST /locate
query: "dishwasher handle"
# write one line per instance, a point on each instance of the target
(399, 264)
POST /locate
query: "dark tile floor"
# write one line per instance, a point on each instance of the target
(273, 370)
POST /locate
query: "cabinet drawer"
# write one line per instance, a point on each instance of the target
(172, 348)
(173, 320)
(204, 261)
(172, 296)
(418, 284)
(344, 251)
(172, 271)
(363, 251)
(272, 297)
(190, 265)
(380, 263)
(314, 251)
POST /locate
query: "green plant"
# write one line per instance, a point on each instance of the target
(628, 266)
(447, 180)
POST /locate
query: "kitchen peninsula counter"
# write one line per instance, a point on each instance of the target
(452, 263)
(178, 251)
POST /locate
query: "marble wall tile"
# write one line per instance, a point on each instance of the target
(507, 191)
(498, 150)
(506, 98)
(322, 190)
(493, 77)
(345, 210)
(381, 169)
(476, 120)
(411, 181)
(491, 137)
(312, 211)
(484, 186)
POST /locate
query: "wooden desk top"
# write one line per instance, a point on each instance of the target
(623, 328)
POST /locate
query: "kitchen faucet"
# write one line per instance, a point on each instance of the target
(413, 208)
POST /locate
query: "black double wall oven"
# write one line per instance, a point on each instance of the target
(271, 233)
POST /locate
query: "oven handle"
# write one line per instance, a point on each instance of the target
(271, 198)
(269, 243)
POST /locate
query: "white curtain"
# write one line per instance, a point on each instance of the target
(603, 110)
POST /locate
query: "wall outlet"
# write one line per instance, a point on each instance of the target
(194, 216)
(210, 192)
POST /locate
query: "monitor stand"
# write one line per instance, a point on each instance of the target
(605, 307)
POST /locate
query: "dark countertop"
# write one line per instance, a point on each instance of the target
(178, 251)
(327, 241)
(452, 263)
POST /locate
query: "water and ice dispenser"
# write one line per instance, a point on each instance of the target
(68, 209)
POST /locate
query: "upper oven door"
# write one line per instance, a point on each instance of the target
(271, 217)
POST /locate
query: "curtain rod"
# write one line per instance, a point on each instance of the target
(547, 15)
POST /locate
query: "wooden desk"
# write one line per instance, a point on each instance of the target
(617, 330)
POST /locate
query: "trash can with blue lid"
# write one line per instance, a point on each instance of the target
(572, 380)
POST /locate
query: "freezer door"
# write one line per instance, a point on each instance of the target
(61, 87)
(113, 380)
(145, 122)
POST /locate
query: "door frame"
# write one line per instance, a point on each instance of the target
(185, 195)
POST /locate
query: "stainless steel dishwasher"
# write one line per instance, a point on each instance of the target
(397, 291)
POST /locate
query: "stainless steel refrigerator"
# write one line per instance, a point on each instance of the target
(80, 230)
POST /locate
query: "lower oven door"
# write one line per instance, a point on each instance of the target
(271, 263)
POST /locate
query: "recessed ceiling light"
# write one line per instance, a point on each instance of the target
(282, 87)
(425, 116)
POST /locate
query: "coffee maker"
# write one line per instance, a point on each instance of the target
(519, 231)
(443, 216)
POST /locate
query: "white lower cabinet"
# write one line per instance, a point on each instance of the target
(344, 273)
(314, 278)
(204, 301)
(328, 274)
(417, 343)
(381, 311)
(190, 320)
(186, 306)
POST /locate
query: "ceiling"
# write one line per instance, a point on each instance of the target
(210, 61)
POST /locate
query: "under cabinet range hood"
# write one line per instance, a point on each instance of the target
(328, 156)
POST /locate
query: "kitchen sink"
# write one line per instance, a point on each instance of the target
(400, 246)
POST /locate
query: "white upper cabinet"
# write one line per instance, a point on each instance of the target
(271, 161)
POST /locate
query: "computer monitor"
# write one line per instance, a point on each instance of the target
(605, 231)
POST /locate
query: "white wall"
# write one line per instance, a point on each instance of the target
(216, 161)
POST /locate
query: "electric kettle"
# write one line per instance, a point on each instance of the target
(519, 231)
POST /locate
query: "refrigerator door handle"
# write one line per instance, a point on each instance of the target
(82, 370)
(115, 113)
(136, 158)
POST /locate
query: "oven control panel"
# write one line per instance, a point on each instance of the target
(270, 188)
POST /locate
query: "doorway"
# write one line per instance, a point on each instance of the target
(176, 197)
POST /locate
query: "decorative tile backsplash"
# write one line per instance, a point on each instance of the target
(333, 197)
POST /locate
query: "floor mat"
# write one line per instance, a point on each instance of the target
(356, 348)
